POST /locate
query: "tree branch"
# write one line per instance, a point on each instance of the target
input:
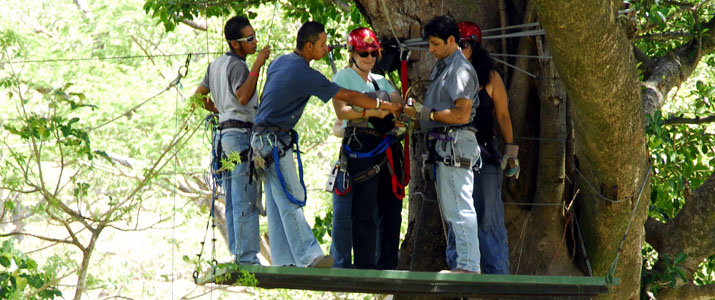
(696, 120)
(690, 231)
(44, 238)
(674, 68)
(195, 25)
(342, 5)
(688, 291)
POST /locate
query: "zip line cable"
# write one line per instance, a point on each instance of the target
(30, 61)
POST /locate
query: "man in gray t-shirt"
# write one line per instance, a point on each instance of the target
(234, 98)
(445, 114)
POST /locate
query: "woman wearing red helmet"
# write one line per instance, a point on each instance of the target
(493, 244)
(366, 213)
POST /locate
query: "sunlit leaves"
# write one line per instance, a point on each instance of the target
(20, 277)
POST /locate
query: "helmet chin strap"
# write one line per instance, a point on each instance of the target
(357, 66)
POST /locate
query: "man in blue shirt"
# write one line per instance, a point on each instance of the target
(233, 89)
(445, 115)
(290, 82)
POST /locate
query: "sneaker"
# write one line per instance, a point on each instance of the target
(323, 261)
(459, 271)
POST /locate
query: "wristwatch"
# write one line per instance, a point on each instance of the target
(431, 115)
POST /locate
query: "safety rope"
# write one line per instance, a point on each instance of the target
(173, 210)
(279, 174)
(610, 277)
(379, 149)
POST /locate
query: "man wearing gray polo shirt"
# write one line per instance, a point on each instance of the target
(445, 114)
(233, 89)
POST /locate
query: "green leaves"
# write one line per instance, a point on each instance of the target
(322, 226)
(20, 277)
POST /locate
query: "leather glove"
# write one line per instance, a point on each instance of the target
(512, 152)
(380, 95)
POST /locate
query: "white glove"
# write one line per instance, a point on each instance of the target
(512, 152)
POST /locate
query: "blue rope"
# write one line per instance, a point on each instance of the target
(384, 144)
(300, 173)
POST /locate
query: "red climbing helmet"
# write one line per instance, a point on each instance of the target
(469, 31)
(363, 39)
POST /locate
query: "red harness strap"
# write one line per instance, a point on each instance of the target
(398, 188)
(405, 84)
(339, 193)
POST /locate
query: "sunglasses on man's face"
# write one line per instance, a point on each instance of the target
(365, 54)
(247, 39)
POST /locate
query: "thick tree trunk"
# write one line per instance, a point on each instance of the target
(592, 54)
(691, 232)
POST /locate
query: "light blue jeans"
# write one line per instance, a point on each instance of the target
(241, 200)
(493, 241)
(454, 188)
(292, 240)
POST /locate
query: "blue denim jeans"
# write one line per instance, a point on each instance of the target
(367, 219)
(292, 240)
(493, 242)
(454, 188)
(241, 200)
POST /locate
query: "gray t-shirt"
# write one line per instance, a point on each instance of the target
(223, 77)
(452, 78)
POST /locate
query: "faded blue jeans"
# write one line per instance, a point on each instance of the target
(292, 240)
(241, 200)
(493, 241)
(454, 188)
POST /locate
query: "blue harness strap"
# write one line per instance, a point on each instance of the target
(384, 144)
(300, 173)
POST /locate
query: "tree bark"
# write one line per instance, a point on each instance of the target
(688, 291)
(690, 232)
(592, 54)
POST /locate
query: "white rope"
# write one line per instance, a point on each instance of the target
(515, 34)
(515, 67)
(511, 27)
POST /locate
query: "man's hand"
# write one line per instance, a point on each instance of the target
(263, 55)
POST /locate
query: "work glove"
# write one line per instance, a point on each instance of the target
(512, 152)
(379, 95)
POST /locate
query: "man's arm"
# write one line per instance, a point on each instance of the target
(365, 101)
(245, 92)
(457, 115)
(205, 99)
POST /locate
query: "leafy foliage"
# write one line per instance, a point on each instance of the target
(21, 278)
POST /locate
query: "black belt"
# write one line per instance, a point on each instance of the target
(234, 124)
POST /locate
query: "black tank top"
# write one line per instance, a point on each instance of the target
(484, 118)
(484, 122)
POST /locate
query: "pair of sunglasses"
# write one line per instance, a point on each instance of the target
(365, 54)
(247, 39)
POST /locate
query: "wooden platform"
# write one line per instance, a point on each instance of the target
(417, 283)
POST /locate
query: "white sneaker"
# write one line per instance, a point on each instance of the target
(323, 261)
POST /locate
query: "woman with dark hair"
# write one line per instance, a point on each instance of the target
(493, 106)
(366, 212)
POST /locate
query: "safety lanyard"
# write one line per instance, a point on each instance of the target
(279, 174)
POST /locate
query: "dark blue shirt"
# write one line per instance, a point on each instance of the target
(290, 82)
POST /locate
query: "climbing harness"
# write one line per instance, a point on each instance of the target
(259, 163)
